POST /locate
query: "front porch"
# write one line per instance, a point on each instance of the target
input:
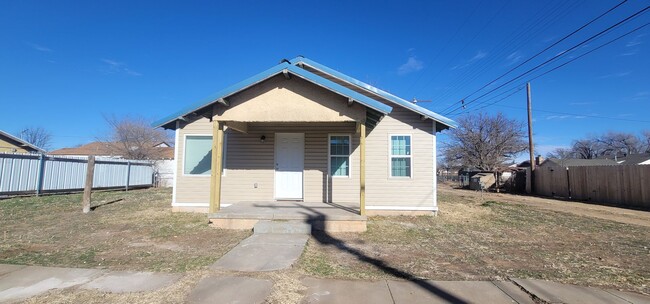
(328, 217)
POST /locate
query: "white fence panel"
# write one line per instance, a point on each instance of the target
(33, 173)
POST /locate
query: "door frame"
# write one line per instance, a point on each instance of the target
(275, 180)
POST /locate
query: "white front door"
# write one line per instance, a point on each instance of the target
(289, 165)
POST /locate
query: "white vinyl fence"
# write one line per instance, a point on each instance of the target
(38, 173)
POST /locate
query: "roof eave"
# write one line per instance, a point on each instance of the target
(260, 77)
(381, 93)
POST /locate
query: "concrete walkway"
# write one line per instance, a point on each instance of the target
(21, 282)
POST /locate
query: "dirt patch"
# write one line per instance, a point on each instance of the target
(488, 239)
(621, 215)
(139, 232)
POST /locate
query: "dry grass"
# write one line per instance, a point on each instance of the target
(136, 230)
(475, 240)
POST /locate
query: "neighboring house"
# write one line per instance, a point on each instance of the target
(13, 144)
(164, 160)
(574, 162)
(106, 149)
(634, 159)
(304, 132)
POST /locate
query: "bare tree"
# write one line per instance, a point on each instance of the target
(619, 144)
(585, 148)
(646, 141)
(561, 153)
(133, 137)
(37, 136)
(485, 142)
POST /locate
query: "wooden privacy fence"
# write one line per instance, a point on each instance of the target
(617, 185)
(38, 173)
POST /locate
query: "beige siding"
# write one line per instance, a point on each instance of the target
(249, 167)
(196, 188)
(6, 146)
(383, 190)
(250, 162)
(289, 100)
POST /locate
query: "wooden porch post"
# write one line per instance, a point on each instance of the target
(216, 166)
(362, 169)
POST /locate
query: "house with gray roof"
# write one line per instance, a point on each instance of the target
(303, 132)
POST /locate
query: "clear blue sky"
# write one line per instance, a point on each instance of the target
(63, 64)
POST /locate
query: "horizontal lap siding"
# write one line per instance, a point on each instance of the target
(382, 190)
(192, 189)
(248, 161)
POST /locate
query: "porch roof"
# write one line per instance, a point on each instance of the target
(374, 90)
(284, 67)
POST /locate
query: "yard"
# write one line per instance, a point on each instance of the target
(471, 239)
(133, 230)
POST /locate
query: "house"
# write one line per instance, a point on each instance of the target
(301, 131)
(163, 157)
(160, 151)
(634, 159)
(553, 163)
(12, 144)
(482, 181)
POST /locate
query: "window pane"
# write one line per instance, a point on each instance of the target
(400, 145)
(401, 166)
(339, 166)
(198, 155)
(339, 145)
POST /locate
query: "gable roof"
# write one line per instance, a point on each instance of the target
(633, 159)
(375, 91)
(20, 143)
(574, 162)
(291, 67)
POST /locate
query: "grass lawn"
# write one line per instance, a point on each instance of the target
(475, 240)
(136, 230)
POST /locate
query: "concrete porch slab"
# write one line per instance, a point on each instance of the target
(120, 282)
(34, 280)
(263, 252)
(321, 216)
(230, 290)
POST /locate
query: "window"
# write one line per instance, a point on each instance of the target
(339, 151)
(400, 156)
(198, 155)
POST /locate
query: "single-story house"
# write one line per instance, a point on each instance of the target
(634, 159)
(301, 131)
(13, 144)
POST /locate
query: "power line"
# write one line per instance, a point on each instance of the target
(556, 56)
(547, 48)
(515, 42)
(560, 66)
(578, 115)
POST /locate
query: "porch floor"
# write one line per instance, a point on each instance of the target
(322, 216)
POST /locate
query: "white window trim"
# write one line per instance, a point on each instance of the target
(390, 156)
(225, 156)
(329, 155)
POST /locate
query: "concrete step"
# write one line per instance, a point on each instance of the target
(282, 227)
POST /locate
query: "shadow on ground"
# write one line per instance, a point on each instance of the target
(316, 219)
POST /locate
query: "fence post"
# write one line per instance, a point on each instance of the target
(39, 174)
(88, 187)
(128, 174)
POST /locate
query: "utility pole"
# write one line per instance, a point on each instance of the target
(530, 139)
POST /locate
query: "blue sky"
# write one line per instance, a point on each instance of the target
(64, 64)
